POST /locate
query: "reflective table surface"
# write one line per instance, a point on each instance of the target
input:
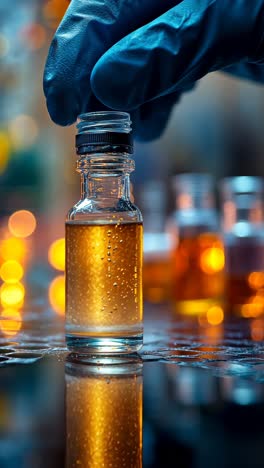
(194, 397)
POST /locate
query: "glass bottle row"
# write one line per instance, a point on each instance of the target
(211, 262)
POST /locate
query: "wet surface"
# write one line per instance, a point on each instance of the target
(227, 349)
(201, 387)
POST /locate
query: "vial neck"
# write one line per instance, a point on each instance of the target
(105, 187)
(249, 207)
(243, 208)
(105, 176)
(194, 201)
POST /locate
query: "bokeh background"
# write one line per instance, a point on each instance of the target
(217, 128)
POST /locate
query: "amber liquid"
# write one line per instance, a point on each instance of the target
(156, 279)
(245, 278)
(197, 273)
(104, 280)
(104, 421)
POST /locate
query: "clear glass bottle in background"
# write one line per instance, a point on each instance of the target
(243, 228)
(156, 273)
(104, 310)
(197, 253)
(104, 414)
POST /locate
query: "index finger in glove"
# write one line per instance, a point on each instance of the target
(88, 29)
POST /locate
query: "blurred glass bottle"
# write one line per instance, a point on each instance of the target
(243, 228)
(104, 414)
(197, 253)
(156, 274)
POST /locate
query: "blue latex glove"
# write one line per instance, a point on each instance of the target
(139, 55)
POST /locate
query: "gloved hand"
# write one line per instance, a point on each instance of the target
(122, 54)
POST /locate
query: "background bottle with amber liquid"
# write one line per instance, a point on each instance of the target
(156, 264)
(197, 254)
(104, 311)
(104, 415)
(242, 219)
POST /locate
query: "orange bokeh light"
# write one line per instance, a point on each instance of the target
(12, 295)
(11, 271)
(13, 249)
(212, 260)
(255, 306)
(22, 223)
(256, 280)
(10, 321)
(257, 329)
(215, 315)
(247, 310)
(56, 254)
(54, 10)
(57, 294)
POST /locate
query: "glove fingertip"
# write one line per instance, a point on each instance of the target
(109, 86)
(60, 120)
(60, 96)
(62, 110)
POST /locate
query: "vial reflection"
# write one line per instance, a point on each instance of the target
(104, 414)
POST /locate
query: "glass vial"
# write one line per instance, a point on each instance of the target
(104, 415)
(197, 254)
(242, 209)
(104, 310)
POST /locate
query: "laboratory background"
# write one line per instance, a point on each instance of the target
(215, 129)
(196, 269)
